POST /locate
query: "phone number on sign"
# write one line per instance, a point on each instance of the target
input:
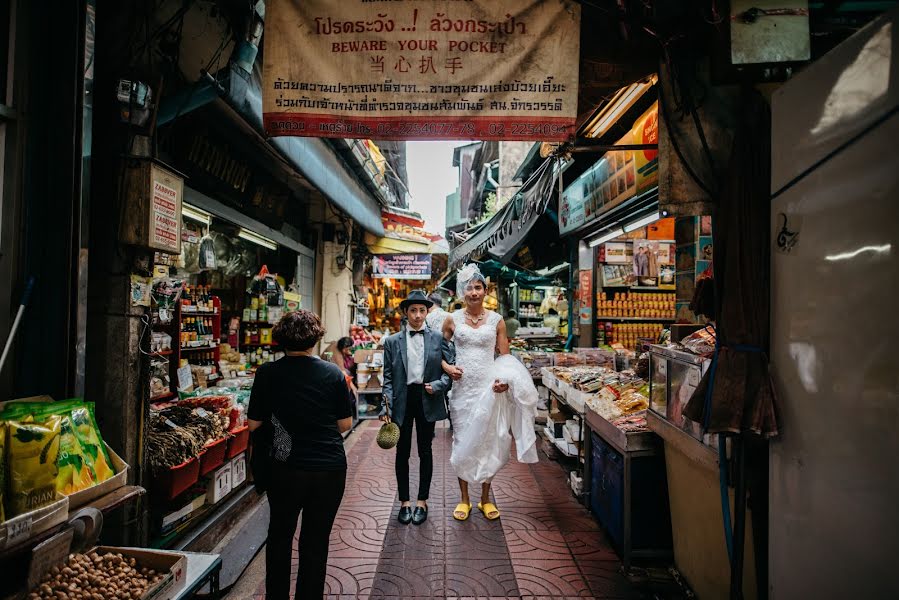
(413, 128)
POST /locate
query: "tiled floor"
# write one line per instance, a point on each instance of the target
(546, 545)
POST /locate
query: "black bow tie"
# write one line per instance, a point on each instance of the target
(419, 332)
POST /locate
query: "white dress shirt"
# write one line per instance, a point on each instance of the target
(415, 357)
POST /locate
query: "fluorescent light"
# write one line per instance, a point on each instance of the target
(621, 102)
(885, 249)
(600, 239)
(259, 240)
(647, 220)
(195, 214)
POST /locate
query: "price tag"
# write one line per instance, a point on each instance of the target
(693, 378)
(185, 378)
(171, 424)
(238, 470)
(201, 412)
(18, 530)
(663, 367)
(210, 259)
(47, 554)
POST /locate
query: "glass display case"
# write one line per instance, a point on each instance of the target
(674, 376)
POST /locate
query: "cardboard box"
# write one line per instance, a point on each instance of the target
(22, 527)
(175, 518)
(238, 470)
(219, 484)
(172, 563)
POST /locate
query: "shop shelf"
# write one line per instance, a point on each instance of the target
(238, 442)
(213, 456)
(175, 481)
(192, 348)
(162, 397)
(646, 319)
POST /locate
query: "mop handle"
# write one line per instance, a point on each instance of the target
(26, 296)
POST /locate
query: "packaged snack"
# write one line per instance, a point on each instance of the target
(32, 452)
(89, 436)
(2, 467)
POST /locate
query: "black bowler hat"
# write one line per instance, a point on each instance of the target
(415, 297)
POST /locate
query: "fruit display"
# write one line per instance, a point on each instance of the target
(96, 576)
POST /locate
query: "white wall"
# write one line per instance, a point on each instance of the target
(336, 294)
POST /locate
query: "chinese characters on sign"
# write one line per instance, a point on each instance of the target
(407, 69)
(402, 266)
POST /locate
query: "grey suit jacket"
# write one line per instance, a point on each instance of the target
(395, 359)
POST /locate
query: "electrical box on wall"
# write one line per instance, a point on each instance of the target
(152, 206)
(769, 31)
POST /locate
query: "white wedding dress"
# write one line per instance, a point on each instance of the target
(485, 422)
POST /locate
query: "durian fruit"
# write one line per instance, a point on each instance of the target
(388, 435)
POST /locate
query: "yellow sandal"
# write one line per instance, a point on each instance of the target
(462, 508)
(489, 509)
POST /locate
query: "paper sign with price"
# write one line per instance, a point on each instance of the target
(18, 530)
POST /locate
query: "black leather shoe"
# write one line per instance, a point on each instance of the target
(405, 516)
(420, 515)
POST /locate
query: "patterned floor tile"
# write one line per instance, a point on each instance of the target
(480, 577)
(545, 545)
(550, 578)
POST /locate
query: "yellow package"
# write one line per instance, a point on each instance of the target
(2, 467)
(32, 451)
(76, 471)
(89, 437)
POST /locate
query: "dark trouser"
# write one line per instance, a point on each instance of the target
(424, 433)
(317, 494)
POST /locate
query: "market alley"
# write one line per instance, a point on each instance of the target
(546, 545)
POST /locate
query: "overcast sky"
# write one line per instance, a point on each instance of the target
(432, 177)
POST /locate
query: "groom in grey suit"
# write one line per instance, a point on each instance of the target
(414, 390)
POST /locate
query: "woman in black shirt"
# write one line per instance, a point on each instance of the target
(306, 405)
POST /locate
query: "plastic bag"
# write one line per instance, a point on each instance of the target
(2, 467)
(482, 448)
(207, 258)
(32, 455)
(89, 436)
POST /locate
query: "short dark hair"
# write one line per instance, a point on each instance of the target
(435, 298)
(344, 342)
(512, 314)
(299, 330)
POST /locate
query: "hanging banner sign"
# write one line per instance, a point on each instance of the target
(616, 177)
(421, 69)
(401, 266)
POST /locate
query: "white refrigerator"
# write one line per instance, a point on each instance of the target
(834, 469)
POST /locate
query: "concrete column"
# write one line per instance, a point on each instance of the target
(337, 293)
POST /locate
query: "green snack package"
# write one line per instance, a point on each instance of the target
(2, 468)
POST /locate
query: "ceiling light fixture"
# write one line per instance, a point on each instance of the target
(259, 240)
(601, 239)
(193, 213)
(647, 220)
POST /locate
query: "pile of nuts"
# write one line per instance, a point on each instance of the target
(95, 577)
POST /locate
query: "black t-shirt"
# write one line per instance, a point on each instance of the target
(303, 397)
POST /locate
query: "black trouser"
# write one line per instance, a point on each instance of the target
(317, 494)
(424, 433)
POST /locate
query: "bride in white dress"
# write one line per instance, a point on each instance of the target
(492, 399)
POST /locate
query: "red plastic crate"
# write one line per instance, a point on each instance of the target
(239, 440)
(175, 481)
(213, 456)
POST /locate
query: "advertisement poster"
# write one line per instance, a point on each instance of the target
(402, 266)
(615, 178)
(618, 252)
(413, 70)
(165, 210)
(585, 293)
